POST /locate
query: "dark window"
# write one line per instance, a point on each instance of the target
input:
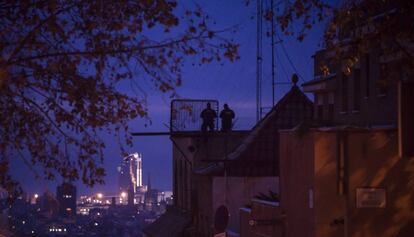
(344, 93)
(320, 112)
(331, 112)
(357, 90)
(331, 106)
(383, 80)
(367, 75)
(319, 107)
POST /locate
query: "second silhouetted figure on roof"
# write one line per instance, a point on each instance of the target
(208, 115)
(227, 116)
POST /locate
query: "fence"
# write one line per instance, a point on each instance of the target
(185, 114)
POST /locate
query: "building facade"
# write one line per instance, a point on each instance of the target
(349, 174)
(66, 197)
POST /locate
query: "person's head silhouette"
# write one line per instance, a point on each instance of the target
(226, 106)
(208, 105)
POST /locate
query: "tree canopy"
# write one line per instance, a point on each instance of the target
(352, 27)
(61, 62)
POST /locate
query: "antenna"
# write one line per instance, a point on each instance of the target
(273, 54)
(259, 62)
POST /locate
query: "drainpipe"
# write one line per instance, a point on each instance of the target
(342, 174)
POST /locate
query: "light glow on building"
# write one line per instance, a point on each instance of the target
(130, 172)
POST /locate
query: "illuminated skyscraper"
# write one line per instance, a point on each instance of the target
(130, 173)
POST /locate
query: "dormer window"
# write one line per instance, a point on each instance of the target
(331, 106)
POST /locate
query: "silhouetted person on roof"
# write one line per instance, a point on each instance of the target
(208, 115)
(227, 116)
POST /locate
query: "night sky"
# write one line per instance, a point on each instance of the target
(232, 83)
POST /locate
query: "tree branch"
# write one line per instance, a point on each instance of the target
(36, 28)
(108, 52)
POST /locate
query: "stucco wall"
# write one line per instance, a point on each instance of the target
(374, 162)
(296, 181)
(371, 161)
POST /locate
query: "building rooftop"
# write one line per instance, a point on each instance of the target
(257, 154)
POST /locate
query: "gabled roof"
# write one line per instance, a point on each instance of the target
(257, 153)
(294, 94)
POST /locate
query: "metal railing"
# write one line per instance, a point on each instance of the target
(185, 114)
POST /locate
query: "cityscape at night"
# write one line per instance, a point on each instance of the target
(219, 118)
(124, 212)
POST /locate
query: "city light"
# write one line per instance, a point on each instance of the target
(136, 155)
(84, 204)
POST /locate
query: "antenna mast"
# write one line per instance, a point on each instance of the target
(273, 54)
(259, 62)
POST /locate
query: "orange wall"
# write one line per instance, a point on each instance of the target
(296, 179)
(372, 162)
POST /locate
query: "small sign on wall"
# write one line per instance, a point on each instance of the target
(370, 198)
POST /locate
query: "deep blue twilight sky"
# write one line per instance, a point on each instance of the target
(232, 83)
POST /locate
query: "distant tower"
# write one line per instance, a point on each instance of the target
(149, 181)
(130, 173)
(150, 201)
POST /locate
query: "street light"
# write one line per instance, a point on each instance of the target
(36, 195)
(123, 194)
(99, 195)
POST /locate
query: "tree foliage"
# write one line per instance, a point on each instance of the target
(353, 27)
(60, 65)
(359, 27)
